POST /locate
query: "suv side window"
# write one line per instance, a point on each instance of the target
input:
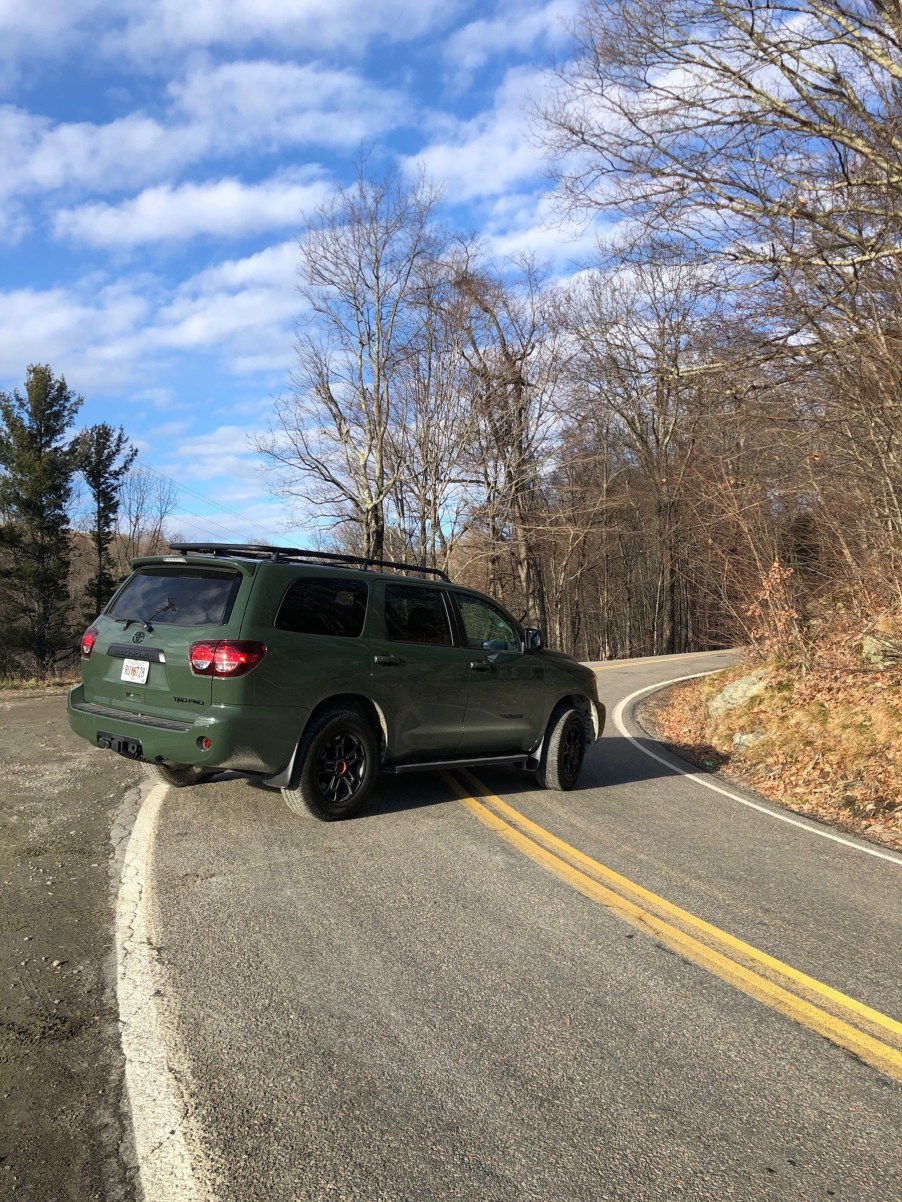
(487, 629)
(416, 615)
(324, 605)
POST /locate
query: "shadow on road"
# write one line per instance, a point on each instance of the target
(613, 761)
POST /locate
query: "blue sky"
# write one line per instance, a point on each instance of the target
(159, 157)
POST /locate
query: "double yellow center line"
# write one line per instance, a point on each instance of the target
(874, 1037)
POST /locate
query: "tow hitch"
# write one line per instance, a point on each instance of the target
(130, 748)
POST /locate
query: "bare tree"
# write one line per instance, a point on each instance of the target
(430, 501)
(767, 138)
(512, 352)
(641, 336)
(760, 130)
(363, 257)
(146, 502)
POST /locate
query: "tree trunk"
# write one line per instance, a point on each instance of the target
(374, 532)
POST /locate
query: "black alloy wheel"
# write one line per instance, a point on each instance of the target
(340, 768)
(573, 749)
(564, 750)
(337, 762)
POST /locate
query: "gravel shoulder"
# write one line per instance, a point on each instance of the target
(62, 1138)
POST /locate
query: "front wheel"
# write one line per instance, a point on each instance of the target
(564, 751)
(338, 760)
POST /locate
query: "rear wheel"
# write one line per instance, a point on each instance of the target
(338, 760)
(179, 776)
(564, 751)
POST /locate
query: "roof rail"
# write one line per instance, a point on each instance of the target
(300, 555)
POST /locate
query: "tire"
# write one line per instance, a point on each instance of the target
(338, 763)
(564, 751)
(179, 776)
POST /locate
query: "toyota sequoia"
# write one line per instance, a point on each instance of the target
(316, 671)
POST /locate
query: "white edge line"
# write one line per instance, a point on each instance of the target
(157, 1109)
(617, 717)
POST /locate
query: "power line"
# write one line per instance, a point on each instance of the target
(203, 520)
(200, 496)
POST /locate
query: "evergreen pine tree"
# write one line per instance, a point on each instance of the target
(104, 456)
(36, 469)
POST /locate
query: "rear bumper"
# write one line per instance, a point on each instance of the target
(258, 738)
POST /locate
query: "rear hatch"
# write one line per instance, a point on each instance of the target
(140, 661)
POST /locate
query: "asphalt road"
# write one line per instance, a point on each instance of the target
(417, 1005)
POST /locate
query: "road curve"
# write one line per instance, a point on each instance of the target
(415, 1005)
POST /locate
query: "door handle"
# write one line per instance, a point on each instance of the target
(386, 661)
(479, 665)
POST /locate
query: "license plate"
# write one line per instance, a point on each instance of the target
(135, 671)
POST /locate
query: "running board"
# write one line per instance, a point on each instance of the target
(282, 779)
(513, 761)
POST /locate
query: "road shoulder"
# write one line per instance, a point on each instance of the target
(64, 1133)
(673, 715)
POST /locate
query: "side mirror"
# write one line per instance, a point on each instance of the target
(533, 638)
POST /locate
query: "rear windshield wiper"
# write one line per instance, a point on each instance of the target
(128, 622)
(145, 622)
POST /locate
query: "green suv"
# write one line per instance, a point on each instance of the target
(316, 671)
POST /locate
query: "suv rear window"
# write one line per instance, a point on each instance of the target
(324, 605)
(175, 596)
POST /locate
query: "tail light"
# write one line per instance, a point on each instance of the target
(227, 657)
(88, 639)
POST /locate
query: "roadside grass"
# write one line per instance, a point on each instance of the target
(826, 743)
(29, 683)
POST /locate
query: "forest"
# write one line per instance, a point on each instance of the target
(692, 441)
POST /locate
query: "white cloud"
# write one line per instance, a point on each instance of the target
(148, 33)
(528, 225)
(39, 159)
(105, 336)
(165, 433)
(273, 267)
(517, 29)
(219, 451)
(161, 399)
(214, 111)
(348, 25)
(245, 308)
(491, 153)
(194, 521)
(223, 208)
(113, 155)
(90, 335)
(255, 319)
(48, 29)
(268, 105)
(213, 509)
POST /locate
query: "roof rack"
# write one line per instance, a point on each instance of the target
(300, 555)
